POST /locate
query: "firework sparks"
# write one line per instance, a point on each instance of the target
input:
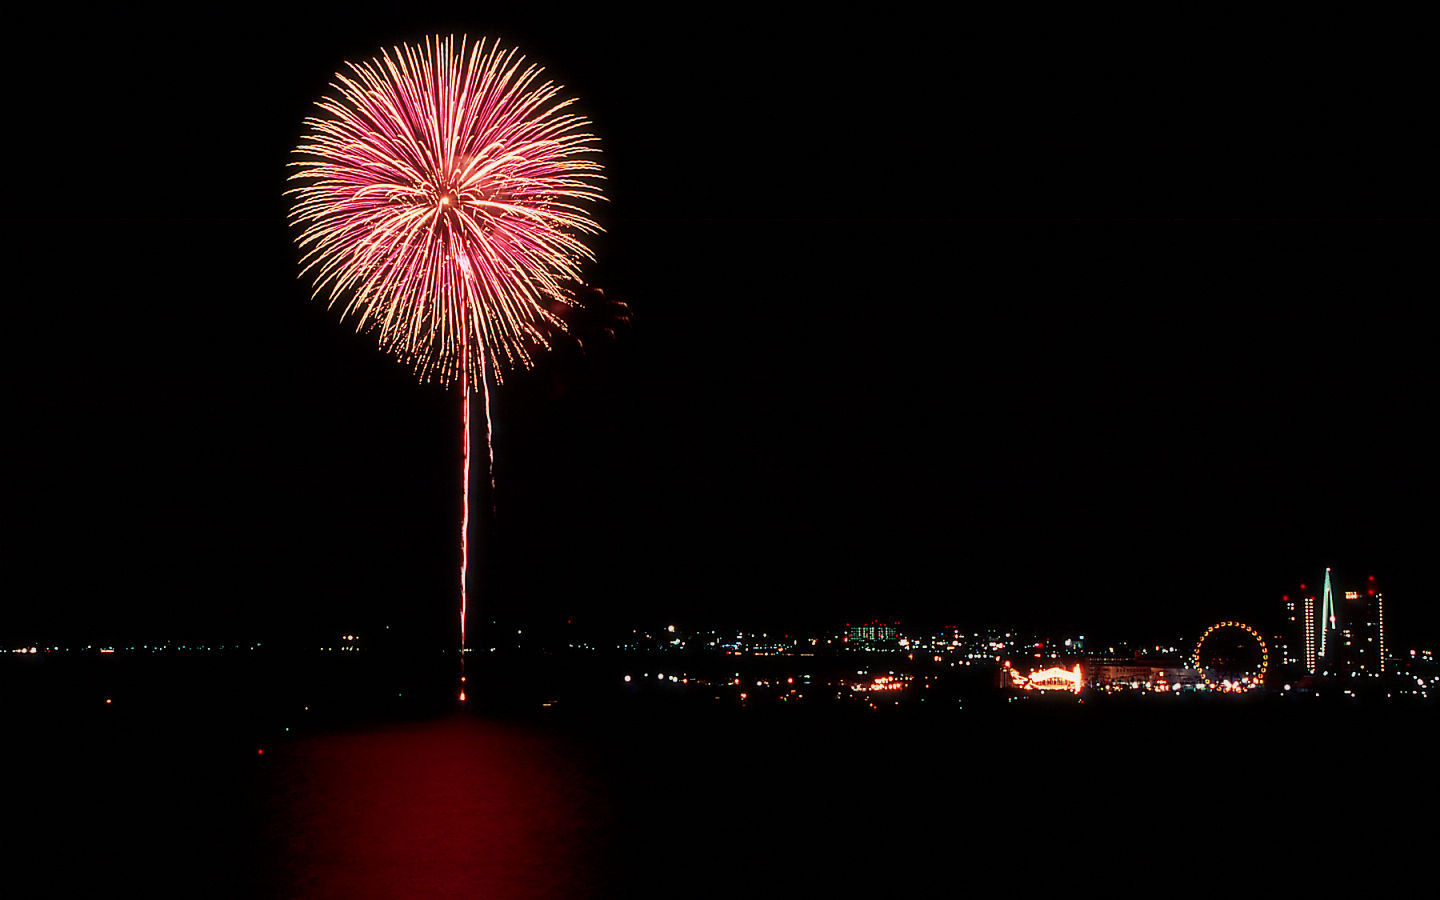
(442, 203)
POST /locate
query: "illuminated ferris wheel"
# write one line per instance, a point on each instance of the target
(1232, 657)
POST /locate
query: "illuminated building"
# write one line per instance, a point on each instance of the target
(1295, 643)
(1350, 632)
(1310, 635)
(873, 634)
(1360, 636)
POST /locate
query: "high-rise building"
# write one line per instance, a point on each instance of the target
(1350, 632)
(1361, 632)
(1310, 635)
(1295, 642)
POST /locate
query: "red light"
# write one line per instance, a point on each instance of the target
(1371, 592)
(260, 752)
(1286, 597)
(1372, 577)
(1302, 587)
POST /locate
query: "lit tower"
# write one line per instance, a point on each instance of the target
(1297, 643)
(1310, 634)
(1327, 614)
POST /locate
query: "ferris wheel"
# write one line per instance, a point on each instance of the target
(1232, 657)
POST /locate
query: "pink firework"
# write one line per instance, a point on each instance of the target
(442, 203)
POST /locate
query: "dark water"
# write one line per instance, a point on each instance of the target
(644, 800)
(456, 807)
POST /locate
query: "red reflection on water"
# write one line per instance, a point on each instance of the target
(456, 808)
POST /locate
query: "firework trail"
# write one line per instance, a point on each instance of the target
(442, 201)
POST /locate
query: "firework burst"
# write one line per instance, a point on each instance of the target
(442, 202)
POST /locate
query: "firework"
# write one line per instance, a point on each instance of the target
(442, 204)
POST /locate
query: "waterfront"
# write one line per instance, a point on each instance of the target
(643, 797)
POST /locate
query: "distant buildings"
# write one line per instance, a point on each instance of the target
(873, 634)
(1340, 633)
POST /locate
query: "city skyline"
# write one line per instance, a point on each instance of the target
(1294, 616)
(1296, 634)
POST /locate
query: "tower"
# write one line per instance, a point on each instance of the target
(1327, 618)
(1296, 642)
(1310, 635)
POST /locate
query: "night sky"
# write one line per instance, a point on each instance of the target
(1071, 319)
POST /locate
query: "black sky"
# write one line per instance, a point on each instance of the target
(1074, 318)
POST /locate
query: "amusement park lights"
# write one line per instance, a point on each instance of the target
(1246, 683)
(1053, 679)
